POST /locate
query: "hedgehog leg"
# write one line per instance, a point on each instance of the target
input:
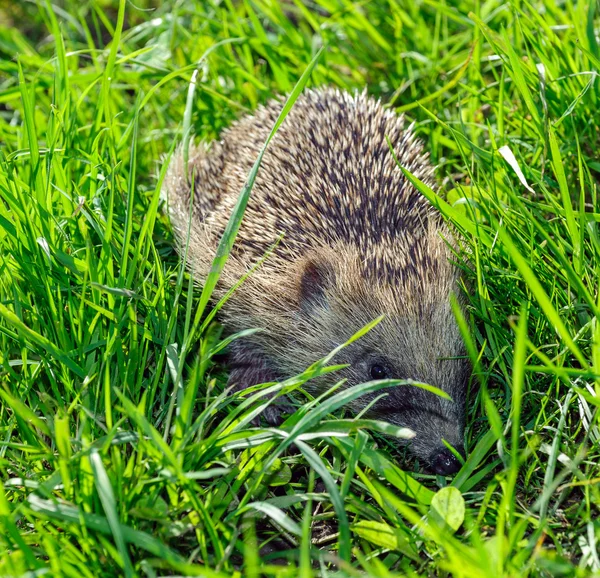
(249, 367)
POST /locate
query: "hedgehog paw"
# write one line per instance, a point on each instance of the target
(244, 375)
(273, 414)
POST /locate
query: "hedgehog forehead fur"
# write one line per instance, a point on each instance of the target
(357, 241)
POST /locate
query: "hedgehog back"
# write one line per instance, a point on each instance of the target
(328, 176)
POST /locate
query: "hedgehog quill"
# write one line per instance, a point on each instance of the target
(359, 241)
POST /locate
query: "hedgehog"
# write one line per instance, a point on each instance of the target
(356, 241)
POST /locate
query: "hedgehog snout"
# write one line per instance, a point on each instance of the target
(434, 431)
(444, 463)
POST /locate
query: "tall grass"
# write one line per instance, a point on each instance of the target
(122, 452)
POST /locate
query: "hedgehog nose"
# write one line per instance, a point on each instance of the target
(444, 462)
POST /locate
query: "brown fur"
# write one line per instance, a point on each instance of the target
(358, 241)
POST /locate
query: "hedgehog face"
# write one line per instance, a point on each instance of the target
(399, 348)
(418, 339)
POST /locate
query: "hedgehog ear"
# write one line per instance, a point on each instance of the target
(316, 277)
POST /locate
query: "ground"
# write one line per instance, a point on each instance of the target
(121, 453)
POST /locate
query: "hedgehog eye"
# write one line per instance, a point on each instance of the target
(378, 371)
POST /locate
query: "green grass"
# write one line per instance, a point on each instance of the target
(121, 453)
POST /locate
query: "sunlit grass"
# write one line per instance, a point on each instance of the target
(121, 451)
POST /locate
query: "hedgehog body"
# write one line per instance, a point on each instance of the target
(357, 241)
